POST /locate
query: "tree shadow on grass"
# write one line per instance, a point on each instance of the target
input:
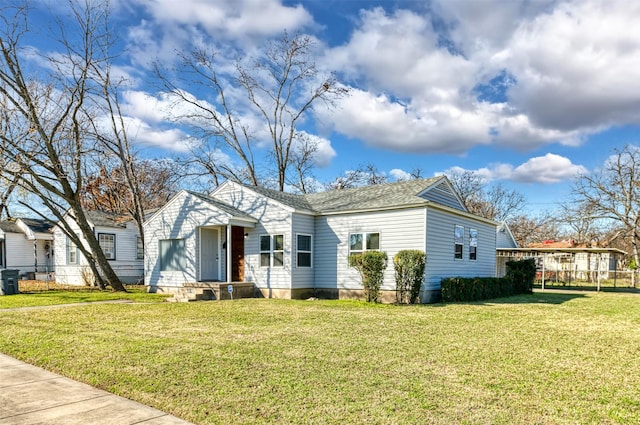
(535, 298)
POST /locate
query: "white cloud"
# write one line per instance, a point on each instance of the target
(550, 168)
(576, 66)
(572, 65)
(547, 169)
(399, 174)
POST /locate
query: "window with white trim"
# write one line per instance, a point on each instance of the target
(271, 250)
(473, 244)
(361, 242)
(107, 242)
(172, 255)
(265, 251)
(278, 250)
(139, 249)
(458, 242)
(72, 252)
(303, 250)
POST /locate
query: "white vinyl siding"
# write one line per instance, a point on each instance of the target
(19, 252)
(398, 229)
(180, 219)
(440, 260)
(274, 219)
(126, 266)
(303, 277)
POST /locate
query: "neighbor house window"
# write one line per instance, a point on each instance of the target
(72, 252)
(271, 250)
(107, 242)
(361, 242)
(172, 255)
(139, 249)
(303, 248)
(458, 240)
(473, 244)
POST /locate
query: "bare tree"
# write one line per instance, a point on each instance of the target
(302, 160)
(580, 219)
(613, 192)
(366, 175)
(494, 202)
(281, 87)
(51, 156)
(527, 230)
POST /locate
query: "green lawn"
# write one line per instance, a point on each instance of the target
(537, 359)
(80, 295)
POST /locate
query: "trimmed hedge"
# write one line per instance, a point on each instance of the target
(518, 280)
(370, 265)
(409, 267)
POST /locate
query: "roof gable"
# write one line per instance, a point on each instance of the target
(7, 226)
(443, 193)
(230, 211)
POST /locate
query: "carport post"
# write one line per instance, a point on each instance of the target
(228, 253)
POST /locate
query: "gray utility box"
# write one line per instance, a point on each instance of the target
(8, 281)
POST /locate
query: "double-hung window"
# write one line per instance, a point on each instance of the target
(107, 242)
(271, 250)
(458, 242)
(72, 252)
(361, 242)
(473, 244)
(172, 255)
(139, 249)
(303, 248)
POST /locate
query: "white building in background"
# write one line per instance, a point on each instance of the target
(26, 244)
(120, 241)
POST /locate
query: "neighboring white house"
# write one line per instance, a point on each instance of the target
(26, 244)
(297, 246)
(504, 240)
(120, 241)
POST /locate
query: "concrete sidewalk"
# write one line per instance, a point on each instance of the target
(31, 395)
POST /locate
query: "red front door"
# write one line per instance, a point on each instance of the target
(237, 254)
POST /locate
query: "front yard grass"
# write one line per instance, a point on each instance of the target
(66, 295)
(541, 358)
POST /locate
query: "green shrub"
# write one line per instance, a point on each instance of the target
(370, 265)
(522, 275)
(518, 280)
(409, 267)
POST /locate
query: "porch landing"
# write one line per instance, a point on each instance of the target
(200, 291)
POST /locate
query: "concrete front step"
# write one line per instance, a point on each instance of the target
(198, 291)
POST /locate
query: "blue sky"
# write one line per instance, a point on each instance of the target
(526, 93)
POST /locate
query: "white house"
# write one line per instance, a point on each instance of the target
(297, 246)
(120, 241)
(26, 244)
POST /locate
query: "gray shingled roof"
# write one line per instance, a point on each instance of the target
(298, 202)
(232, 211)
(10, 227)
(390, 195)
(38, 225)
(106, 219)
